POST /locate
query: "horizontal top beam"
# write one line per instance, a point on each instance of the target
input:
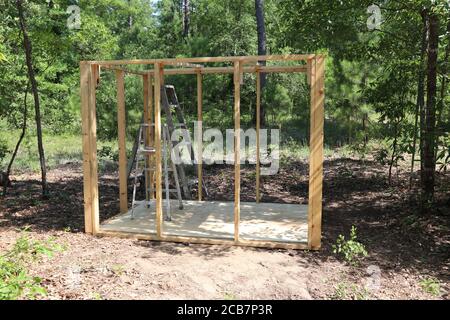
(215, 70)
(175, 61)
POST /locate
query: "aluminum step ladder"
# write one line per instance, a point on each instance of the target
(170, 103)
(142, 164)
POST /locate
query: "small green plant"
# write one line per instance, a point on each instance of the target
(118, 269)
(96, 296)
(431, 285)
(229, 296)
(15, 282)
(351, 250)
(344, 291)
(381, 156)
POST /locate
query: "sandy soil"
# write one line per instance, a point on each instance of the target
(404, 247)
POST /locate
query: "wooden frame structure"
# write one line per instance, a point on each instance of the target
(311, 64)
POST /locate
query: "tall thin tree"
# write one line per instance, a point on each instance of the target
(262, 48)
(34, 88)
(429, 159)
(186, 18)
(420, 101)
(19, 141)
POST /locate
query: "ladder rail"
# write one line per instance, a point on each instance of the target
(168, 216)
(171, 126)
(173, 100)
(175, 173)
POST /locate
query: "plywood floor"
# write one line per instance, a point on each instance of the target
(259, 221)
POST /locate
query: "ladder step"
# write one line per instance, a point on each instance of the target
(147, 150)
(154, 169)
(170, 190)
(139, 202)
(141, 142)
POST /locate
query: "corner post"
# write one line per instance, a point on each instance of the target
(88, 84)
(317, 72)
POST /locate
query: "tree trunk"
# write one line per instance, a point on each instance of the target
(443, 90)
(34, 89)
(186, 19)
(262, 51)
(429, 160)
(420, 95)
(130, 18)
(394, 151)
(16, 149)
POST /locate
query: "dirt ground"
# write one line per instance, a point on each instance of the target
(405, 247)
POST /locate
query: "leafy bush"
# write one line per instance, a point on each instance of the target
(381, 156)
(15, 282)
(351, 250)
(106, 152)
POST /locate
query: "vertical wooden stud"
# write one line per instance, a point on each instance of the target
(93, 149)
(237, 147)
(316, 151)
(152, 133)
(200, 135)
(121, 127)
(85, 125)
(258, 127)
(145, 88)
(158, 81)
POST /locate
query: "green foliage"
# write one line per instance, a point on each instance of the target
(350, 250)
(431, 286)
(15, 281)
(381, 156)
(443, 155)
(345, 291)
(107, 152)
(371, 76)
(4, 150)
(229, 296)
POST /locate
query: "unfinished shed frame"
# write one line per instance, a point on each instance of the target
(312, 65)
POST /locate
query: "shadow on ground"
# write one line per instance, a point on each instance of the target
(396, 235)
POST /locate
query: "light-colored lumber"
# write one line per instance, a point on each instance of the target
(218, 70)
(121, 130)
(237, 147)
(200, 135)
(215, 70)
(312, 82)
(85, 125)
(151, 133)
(316, 152)
(258, 127)
(127, 71)
(213, 241)
(145, 89)
(90, 73)
(93, 149)
(175, 61)
(158, 82)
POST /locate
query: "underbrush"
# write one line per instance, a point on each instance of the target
(15, 279)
